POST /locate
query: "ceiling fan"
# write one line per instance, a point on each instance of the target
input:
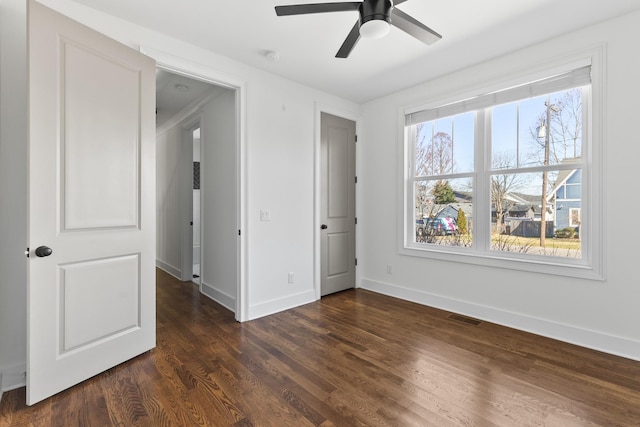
(376, 18)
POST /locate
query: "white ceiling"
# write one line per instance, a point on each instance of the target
(473, 31)
(175, 93)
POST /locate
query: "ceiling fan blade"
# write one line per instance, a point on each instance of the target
(302, 9)
(413, 27)
(350, 41)
(397, 2)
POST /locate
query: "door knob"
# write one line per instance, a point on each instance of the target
(324, 226)
(43, 251)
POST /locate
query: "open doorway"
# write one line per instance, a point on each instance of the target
(196, 203)
(198, 185)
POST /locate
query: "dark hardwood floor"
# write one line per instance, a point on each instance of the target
(354, 358)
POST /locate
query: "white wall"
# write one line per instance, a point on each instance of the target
(169, 153)
(219, 269)
(13, 193)
(278, 134)
(600, 315)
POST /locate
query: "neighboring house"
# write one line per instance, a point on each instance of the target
(567, 203)
(520, 211)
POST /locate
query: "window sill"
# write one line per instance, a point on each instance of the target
(579, 269)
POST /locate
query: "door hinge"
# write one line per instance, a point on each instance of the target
(238, 232)
(27, 252)
(191, 223)
(356, 220)
(356, 136)
(356, 261)
(356, 179)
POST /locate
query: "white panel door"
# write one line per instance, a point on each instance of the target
(91, 282)
(337, 204)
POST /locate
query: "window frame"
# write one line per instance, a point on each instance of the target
(591, 263)
(571, 216)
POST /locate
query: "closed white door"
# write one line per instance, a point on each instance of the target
(91, 281)
(337, 204)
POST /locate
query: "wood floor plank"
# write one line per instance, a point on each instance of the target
(354, 358)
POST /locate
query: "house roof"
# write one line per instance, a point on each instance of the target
(564, 175)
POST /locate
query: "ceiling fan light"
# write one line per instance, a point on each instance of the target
(375, 29)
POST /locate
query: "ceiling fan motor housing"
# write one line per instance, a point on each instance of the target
(372, 10)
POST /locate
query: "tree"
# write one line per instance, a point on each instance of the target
(434, 156)
(434, 153)
(501, 187)
(565, 130)
(443, 193)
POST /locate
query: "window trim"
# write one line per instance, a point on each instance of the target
(571, 211)
(591, 264)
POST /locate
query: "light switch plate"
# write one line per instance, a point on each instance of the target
(265, 214)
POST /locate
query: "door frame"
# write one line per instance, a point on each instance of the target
(317, 252)
(182, 66)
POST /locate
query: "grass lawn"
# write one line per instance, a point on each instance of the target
(534, 242)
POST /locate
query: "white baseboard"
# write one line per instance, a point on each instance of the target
(174, 271)
(594, 340)
(218, 296)
(12, 377)
(280, 304)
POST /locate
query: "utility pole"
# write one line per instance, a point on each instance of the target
(545, 173)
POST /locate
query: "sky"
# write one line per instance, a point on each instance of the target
(513, 136)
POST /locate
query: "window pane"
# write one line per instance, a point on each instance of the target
(504, 136)
(573, 192)
(445, 146)
(464, 143)
(518, 218)
(519, 130)
(444, 212)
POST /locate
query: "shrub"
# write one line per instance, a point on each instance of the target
(462, 222)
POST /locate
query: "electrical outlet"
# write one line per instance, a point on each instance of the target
(290, 278)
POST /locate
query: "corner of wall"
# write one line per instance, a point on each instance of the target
(281, 304)
(219, 296)
(174, 271)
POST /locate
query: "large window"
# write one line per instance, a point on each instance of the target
(504, 175)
